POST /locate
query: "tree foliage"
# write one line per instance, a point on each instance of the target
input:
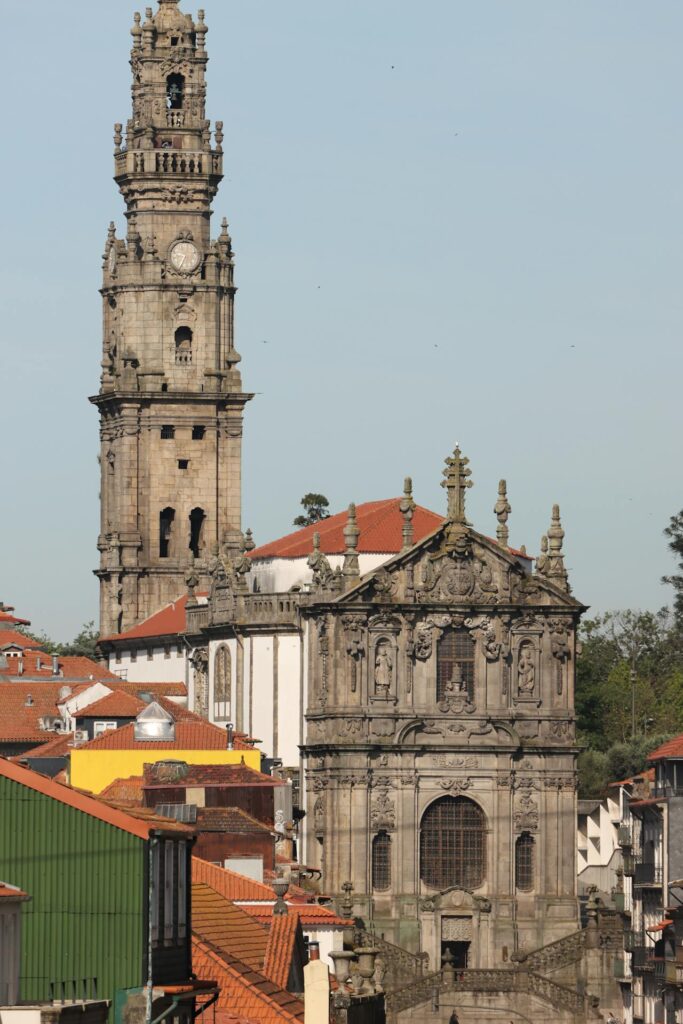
(315, 508)
(84, 643)
(674, 531)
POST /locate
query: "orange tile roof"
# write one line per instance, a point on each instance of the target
(227, 927)
(381, 531)
(123, 820)
(230, 884)
(245, 992)
(230, 819)
(117, 704)
(168, 621)
(214, 775)
(672, 748)
(6, 616)
(189, 735)
(11, 892)
(19, 721)
(37, 664)
(165, 689)
(280, 949)
(125, 791)
(60, 745)
(312, 915)
(16, 639)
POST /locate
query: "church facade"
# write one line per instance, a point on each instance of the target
(171, 401)
(429, 688)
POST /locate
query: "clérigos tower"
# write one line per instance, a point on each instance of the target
(171, 401)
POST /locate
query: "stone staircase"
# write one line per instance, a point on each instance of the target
(400, 967)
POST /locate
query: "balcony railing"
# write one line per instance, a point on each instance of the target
(631, 940)
(629, 865)
(659, 964)
(647, 873)
(673, 973)
(642, 959)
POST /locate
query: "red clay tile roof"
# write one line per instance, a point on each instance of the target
(168, 621)
(11, 892)
(245, 992)
(123, 820)
(71, 668)
(189, 735)
(280, 949)
(6, 616)
(229, 884)
(672, 748)
(212, 775)
(229, 819)
(381, 531)
(60, 746)
(312, 915)
(19, 721)
(124, 791)
(156, 689)
(227, 927)
(11, 636)
(115, 705)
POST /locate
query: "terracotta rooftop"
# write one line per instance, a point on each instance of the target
(23, 704)
(60, 745)
(245, 992)
(117, 704)
(381, 532)
(189, 735)
(672, 748)
(229, 819)
(168, 621)
(230, 884)
(11, 892)
(312, 915)
(80, 801)
(280, 949)
(173, 689)
(7, 616)
(12, 637)
(227, 927)
(71, 668)
(124, 791)
(212, 775)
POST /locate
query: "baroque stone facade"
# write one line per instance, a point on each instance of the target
(170, 401)
(440, 752)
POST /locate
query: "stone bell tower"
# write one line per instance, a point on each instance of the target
(171, 401)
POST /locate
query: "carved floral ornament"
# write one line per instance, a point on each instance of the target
(383, 813)
(449, 577)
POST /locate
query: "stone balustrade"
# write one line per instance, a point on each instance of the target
(168, 161)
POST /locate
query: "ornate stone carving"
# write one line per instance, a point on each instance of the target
(355, 648)
(456, 929)
(200, 664)
(384, 583)
(559, 644)
(526, 813)
(422, 643)
(319, 815)
(456, 698)
(560, 730)
(456, 786)
(526, 669)
(383, 813)
(384, 669)
(447, 761)
(319, 565)
(382, 727)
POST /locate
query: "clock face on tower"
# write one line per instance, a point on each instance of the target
(184, 257)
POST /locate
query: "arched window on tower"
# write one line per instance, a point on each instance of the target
(166, 518)
(197, 520)
(183, 345)
(222, 669)
(175, 91)
(524, 862)
(381, 862)
(453, 844)
(454, 662)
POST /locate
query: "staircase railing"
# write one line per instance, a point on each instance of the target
(401, 967)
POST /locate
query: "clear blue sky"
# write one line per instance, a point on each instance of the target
(453, 221)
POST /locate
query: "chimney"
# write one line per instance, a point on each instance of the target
(29, 701)
(230, 728)
(313, 950)
(39, 664)
(55, 665)
(20, 665)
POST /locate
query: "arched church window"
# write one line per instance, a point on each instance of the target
(453, 844)
(197, 520)
(222, 670)
(183, 345)
(175, 91)
(166, 519)
(524, 862)
(381, 862)
(454, 663)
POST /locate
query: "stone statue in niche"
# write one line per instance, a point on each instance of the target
(526, 672)
(383, 670)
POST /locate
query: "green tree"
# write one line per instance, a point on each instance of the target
(674, 531)
(84, 643)
(315, 508)
(592, 774)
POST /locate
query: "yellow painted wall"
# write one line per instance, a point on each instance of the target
(95, 769)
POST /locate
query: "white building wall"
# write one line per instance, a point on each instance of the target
(289, 702)
(278, 575)
(261, 725)
(157, 669)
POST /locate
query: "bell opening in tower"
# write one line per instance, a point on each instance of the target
(175, 91)
(197, 520)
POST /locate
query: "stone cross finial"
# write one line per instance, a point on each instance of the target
(249, 543)
(351, 534)
(502, 509)
(456, 483)
(191, 582)
(407, 510)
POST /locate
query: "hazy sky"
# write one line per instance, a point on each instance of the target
(453, 221)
